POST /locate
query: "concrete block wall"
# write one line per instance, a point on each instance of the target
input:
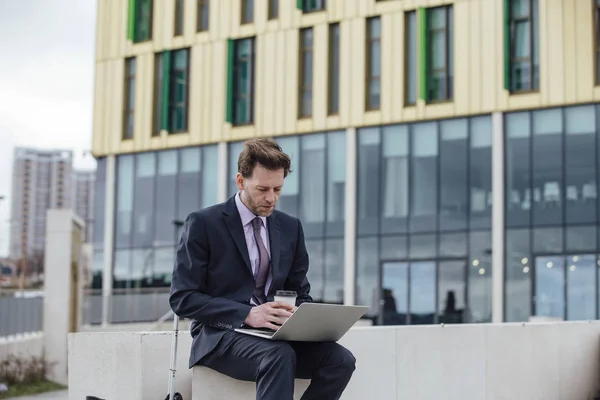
(545, 361)
(126, 365)
(22, 346)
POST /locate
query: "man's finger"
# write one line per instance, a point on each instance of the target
(280, 304)
(281, 313)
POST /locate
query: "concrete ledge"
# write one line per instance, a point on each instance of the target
(127, 365)
(545, 361)
(208, 384)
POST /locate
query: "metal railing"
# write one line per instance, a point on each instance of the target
(21, 312)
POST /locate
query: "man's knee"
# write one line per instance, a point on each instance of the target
(342, 358)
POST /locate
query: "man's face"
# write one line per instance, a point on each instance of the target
(261, 191)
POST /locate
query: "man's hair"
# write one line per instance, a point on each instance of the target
(263, 151)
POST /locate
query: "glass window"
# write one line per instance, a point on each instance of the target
(162, 267)
(273, 9)
(97, 269)
(143, 212)
(422, 246)
(549, 286)
(289, 201)
(453, 175)
(424, 177)
(333, 80)
(453, 244)
(395, 178)
(368, 188)
(597, 39)
(188, 193)
(203, 15)
(125, 182)
(518, 271)
(581, 238)
(524, 48)
(210, 176)
(547, 164)
(247, 11)
(548, 240)
(519, 198)
(480, 276)
(313, 5)
(333, 291)
(179, 13)
(99, 203)
(373, 63)
(336, 183)
(179, 91)
(480, 173)
(367, 274)
(243, 81)
(440, 32)
(581, 287)
(122, 269)
(312, 182)
(235, 148)
(422, 295)
(306, 73)
(452, 291)
(165, 195)
(410, 44)
(143, 25)
(394, 248)
(580, 165)
(129, 98)
(158, 93)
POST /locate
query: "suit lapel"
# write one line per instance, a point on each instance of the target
(274, 240)
(236, 230)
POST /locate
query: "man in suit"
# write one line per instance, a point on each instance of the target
(231, 259)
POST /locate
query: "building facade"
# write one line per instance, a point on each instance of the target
(445, 153)
(83, 199)
(41, 180)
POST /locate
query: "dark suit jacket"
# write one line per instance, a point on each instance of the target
(212, 279)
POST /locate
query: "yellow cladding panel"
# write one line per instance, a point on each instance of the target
(566, 67)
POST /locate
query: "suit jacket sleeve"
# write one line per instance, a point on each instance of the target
(297, 279)
(188, 297)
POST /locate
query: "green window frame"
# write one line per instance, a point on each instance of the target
(438, 53)
(140, 17)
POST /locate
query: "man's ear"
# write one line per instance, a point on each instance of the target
(239, 181)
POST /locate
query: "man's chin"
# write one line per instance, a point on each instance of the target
(265, 212)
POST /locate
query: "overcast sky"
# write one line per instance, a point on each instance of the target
(46, 83)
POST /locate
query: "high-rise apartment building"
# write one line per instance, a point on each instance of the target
(445, 153)
(83, 198)
(41, 180)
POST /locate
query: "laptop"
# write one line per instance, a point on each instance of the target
(313, 322)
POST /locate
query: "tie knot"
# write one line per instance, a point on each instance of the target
(256, 223)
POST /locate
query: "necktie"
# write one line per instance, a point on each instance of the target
(263, 264)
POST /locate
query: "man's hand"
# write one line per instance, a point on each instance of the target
(269, 314)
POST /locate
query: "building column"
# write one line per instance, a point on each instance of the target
(497, 217)
(350, 219)
(109, 228)
(223, 180)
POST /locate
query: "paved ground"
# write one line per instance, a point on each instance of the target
(58, 395)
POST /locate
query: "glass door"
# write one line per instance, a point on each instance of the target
(565, 287)
(422, 292)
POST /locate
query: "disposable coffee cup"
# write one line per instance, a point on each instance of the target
(286, 296)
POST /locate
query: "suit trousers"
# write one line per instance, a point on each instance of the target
(274, 365)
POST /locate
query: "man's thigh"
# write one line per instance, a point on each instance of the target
(312, 356)
(239, 356)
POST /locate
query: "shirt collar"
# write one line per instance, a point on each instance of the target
(245, 214)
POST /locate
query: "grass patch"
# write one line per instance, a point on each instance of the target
(30, 388)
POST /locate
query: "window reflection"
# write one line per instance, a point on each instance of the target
(549, 286)
(581, 287)
(424, 177)
(395, 178)
(518, 271)
(289, 200)
(453, 174)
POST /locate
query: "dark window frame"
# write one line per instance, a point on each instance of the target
(172, 85)
(303, 87)
(448, 35)
(140, 20)
(369, 78)
(203, 6)
(129, 112)
(407, 15)
(513, 22)
(273, 11)
(179, 18)
(596, 12)
(236, 84)
(245, 18)
(333, 95)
